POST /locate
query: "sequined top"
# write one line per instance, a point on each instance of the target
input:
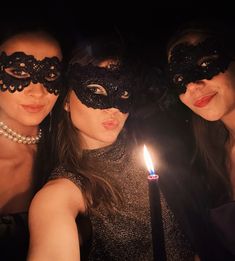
(126, 234)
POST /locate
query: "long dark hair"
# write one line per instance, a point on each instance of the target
(210, 137)
(67, 144)
(42, 165)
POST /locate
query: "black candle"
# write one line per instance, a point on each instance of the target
(155, 211)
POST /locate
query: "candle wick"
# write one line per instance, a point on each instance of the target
(153, 176)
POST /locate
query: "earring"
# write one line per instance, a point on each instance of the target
(67, 107)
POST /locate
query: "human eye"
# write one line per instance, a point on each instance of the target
(17, 73)
(205, 63)
(52, 76)
(97, 89)
(178, 78)
(125, 95)
(207, 60)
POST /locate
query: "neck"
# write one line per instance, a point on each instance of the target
(12, 135)
(229, 122)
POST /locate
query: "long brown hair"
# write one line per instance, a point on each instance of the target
(67, 143)
(210, 137)
(96, 190)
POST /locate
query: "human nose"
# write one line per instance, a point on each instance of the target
(36, 89)
(112, 110)
(194, 86)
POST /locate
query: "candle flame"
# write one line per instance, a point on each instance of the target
(148, 161)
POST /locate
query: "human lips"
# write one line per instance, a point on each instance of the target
(203, 101)
(110, 124)
(33, 108)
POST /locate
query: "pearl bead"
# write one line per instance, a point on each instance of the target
(16, 137)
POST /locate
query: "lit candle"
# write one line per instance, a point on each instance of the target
(155, 210)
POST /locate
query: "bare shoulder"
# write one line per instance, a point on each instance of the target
(60, 194)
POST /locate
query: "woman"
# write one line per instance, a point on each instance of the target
(30, 80)
(100, 174)
(202, 72)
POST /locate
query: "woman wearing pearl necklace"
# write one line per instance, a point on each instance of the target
(30, 81)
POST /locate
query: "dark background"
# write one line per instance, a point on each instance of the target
(143, 25)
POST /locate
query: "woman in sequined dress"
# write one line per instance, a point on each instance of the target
(100, 172)
(29, 84)
(202, 72)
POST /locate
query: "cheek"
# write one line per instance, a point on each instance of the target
(229, 96)
(80, 114)
(10, 104)
(10, 99)
(52, 100)
(124, 117)
(182, 98)
(186, 100)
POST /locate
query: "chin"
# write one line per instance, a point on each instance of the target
(33, 122)
(212, 117)
(111, 139)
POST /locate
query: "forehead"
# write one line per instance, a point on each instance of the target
(37, 45)
(106, 63)
(190, 38)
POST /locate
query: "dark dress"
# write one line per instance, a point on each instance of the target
(14, 237)
(223, 220)
(185, 188)
(126, 233)
(211, 230)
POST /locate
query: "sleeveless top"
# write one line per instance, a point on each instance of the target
(126, 233)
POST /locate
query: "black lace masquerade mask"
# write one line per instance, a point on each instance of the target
(191, 63)
(115, 80)
(18, 70)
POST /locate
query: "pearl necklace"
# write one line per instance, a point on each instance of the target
(16, 137)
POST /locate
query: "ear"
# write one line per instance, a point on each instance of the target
(66, 106)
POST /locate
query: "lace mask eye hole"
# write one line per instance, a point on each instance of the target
(178, 78)
(18, 73)
(207, 60)
(52, 76)
(205, 64)
(97, 89)
(125, 95)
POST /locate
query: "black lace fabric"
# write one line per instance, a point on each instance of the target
(191, 63)
(115, 80)
(47, 72)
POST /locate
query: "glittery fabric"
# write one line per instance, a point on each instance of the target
(61, 172)
(126, 233)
